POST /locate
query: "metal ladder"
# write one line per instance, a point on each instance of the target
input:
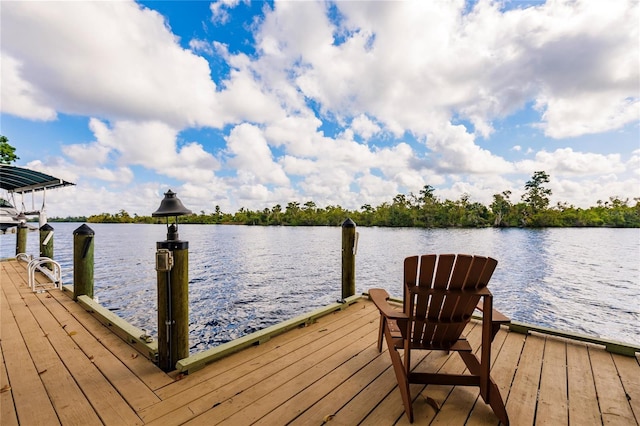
(39, 264)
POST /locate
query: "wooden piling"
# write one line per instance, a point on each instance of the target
(173, 306)
(46, 241)
(83, 262)
(348, 258)
(21, 238)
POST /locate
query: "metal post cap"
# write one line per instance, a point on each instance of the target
(46, 227)
(84, 230)
(348, 223)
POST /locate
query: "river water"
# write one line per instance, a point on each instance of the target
(242, 278)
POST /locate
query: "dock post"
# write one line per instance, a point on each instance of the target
(46, 241)
(173, 304)
(21, 238)
(83, 262)
(172, 266)
(348, 258)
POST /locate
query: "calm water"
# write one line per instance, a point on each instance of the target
(244, 278)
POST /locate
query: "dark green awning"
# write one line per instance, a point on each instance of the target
(19, 180)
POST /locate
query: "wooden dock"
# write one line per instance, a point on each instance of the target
(62, 366)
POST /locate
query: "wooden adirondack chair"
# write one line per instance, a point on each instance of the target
(440, 295)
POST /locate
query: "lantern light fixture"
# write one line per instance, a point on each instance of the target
(171, 206)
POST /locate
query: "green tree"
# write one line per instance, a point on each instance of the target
(428, 205)
(501, 207)
(536, 195)
(7, 152)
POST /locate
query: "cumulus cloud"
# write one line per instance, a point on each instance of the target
(220, 10)
(565, 161)
(343, 103)
(201, 46)
(93, 153)
(148, 144)
(18, 96)
(252, 157)
(364, 127)
(107, 59)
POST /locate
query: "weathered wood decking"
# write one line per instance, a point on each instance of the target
(61, 366)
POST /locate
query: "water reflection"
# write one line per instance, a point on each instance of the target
(246, 278)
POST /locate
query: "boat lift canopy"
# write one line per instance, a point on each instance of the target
(20, 180)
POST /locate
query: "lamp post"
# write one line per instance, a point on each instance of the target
(172, 266)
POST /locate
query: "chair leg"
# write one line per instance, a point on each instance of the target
(383, 322)
(494, 399)
(403, 383)
(401, 375)
(496, 403)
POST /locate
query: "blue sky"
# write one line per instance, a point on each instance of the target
(252, 104)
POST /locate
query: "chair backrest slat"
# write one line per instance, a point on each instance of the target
(425, 279)
(434, 317)
(449, 310)
(443, 266)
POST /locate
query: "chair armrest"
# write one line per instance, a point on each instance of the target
(379, 297)
(496, 316)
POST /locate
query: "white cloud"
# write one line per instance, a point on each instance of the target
(244, 99)
(148, 144)
(201, 46)
(107, 59)
(456, 152)
(587, 113)
(565, 161)
(292, 114)
(364, 127)
(93, 153)
(411, 64)
(19, 97)
(587, 192)
(219, 10)
(252, 157)
(634, 163)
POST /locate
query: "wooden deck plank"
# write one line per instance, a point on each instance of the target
(581, 388)
(224, 400)
(7, 407)
(455, 401)
(148, 372)
(328, 372)
(107, 402)
(614, 405)
(296, 404)
(629, 371)
(269, 355)
(270, 350)
(480, 412)
(507, 347)
(552, 399)
(105, 399)
(59, 384)
(366, 402)
(127, 384)
(324, 361)
(334, 400)
(33, 406)
(522, 401)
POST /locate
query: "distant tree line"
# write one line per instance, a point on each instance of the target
(424, 210)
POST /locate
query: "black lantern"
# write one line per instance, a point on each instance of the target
(171, 206)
